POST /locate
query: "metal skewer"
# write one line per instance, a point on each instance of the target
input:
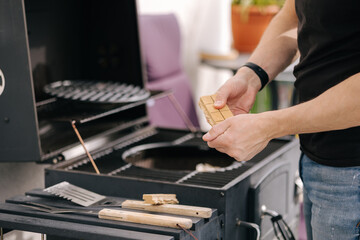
(183, 115)
(83, 144)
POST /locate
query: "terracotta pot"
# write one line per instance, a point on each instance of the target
(249, 24)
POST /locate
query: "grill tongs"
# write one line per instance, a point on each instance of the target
(117, 215)
(56, 210)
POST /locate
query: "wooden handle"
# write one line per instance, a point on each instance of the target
(169, 208)
(145, 218)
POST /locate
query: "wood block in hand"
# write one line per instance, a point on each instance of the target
(213, 115)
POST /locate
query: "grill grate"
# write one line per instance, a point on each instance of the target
(216, 179)
(105, 161)
(219, 179)
(137, 172)
(96, 91)
(112, 163)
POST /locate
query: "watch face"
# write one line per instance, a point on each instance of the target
(2, 82)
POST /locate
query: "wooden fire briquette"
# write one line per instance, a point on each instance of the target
(157, 199)
(213, 115)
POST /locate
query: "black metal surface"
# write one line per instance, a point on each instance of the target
(13, 207)
(19, 137)
(90, 218)
(47, 41)
(141, 173)
(71, 230)
(218, 179)
(227, 193)
(83, 40)
(96, 91)
(170, 162)
(65, 111)
(181, 157)
(56, 137)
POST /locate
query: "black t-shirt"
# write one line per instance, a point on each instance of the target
(329, 43)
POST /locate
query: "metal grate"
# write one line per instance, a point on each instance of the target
(137, 172)
(105, 161)
(112, 162)
(96, 91)
(216, 179)
(221, 178)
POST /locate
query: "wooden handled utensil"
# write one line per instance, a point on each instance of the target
(118, 215)
(178, 209)
(145, 218)
(87, 198)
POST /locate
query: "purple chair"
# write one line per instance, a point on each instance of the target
(160, 41)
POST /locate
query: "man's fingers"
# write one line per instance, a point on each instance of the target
(221, 144)
(216, 131)
(221, 97)
(218, 144)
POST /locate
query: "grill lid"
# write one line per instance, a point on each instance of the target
(43, 46)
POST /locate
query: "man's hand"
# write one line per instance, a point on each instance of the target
(245, 135)
(241, 137)
(239, 92)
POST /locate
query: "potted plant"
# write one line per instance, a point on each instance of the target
(249, 20)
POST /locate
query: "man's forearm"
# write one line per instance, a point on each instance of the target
(275, 55)
(278, 45)
(337, 108)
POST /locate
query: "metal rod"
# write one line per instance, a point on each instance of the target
(1, 234)
(250, 225)
(183, 115)
(83, 144)
(187, 231)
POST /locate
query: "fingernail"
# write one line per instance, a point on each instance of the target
(217, 103)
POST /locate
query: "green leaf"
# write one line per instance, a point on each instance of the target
(258, 2)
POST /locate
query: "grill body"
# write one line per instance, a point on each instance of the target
(237, 190)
